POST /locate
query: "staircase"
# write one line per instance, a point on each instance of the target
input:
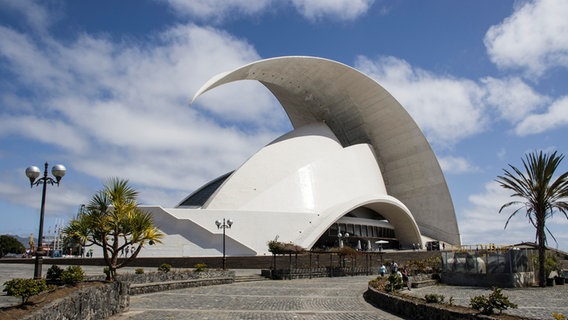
(250, 278)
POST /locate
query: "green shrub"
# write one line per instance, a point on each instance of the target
(481, 303)
(24, 288)
(72, 275)
(106, 271)
(200, 267)
(165, 267)
(139, 271)
(54, 273)
(434, 298)
(487, 304)
(394, 283)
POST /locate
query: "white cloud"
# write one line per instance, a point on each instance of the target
(39, 17)
(446, 109)
(120, 109)
(513, 98)
(556, 116)
(313, 10)
(27, 63)
(46, 130)
(482, 223)
(456, 165)
(345, 10)
(533, 38)
(450, 109)
(218, 9)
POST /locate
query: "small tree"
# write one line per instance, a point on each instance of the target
(540, 194)
(113, 221)
(24, 288)
(394, 283)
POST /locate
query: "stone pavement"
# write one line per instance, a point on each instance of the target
(318, 298)
(537, 303)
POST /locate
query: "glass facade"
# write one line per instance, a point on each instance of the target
(358, 233)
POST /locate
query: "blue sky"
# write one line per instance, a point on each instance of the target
(103, 87)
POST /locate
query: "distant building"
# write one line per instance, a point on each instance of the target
(355, 163)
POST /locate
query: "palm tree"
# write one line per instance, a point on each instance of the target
(113, 221)
(541, 196)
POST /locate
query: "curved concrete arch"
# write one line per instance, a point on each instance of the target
(359, 110)
(406, 228)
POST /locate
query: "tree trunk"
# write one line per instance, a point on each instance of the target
(541, 252)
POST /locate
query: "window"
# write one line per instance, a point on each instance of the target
(332, 231)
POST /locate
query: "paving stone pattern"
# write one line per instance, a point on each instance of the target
(537, 303)
(322, 298)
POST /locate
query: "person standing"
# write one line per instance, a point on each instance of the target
(405, 282)
(394, 267)
(382, 270)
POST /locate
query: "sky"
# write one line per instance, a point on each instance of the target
(104, 88)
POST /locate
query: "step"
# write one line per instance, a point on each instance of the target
(250, 278)
(423, 283)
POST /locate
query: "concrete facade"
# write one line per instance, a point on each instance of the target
(355, 159)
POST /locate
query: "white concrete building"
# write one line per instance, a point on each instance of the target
(355, 163)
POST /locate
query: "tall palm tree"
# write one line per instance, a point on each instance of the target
(541, 194)
(113, 221)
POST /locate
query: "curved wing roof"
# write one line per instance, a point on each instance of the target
(359, 110)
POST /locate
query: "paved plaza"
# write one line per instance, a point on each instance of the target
(536, 303)
(319, 298)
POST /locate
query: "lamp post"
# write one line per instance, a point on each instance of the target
(224, 224)
(342, 237)
(33, 172)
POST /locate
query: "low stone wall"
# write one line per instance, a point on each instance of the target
(143, 288)
(304, 273)
(157, 276)
(414, 308)
(151, 277)
(162, 281)
(96, 302)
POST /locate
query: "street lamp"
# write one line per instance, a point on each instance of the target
(342, 237)
(58, 171)
(224, 225)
